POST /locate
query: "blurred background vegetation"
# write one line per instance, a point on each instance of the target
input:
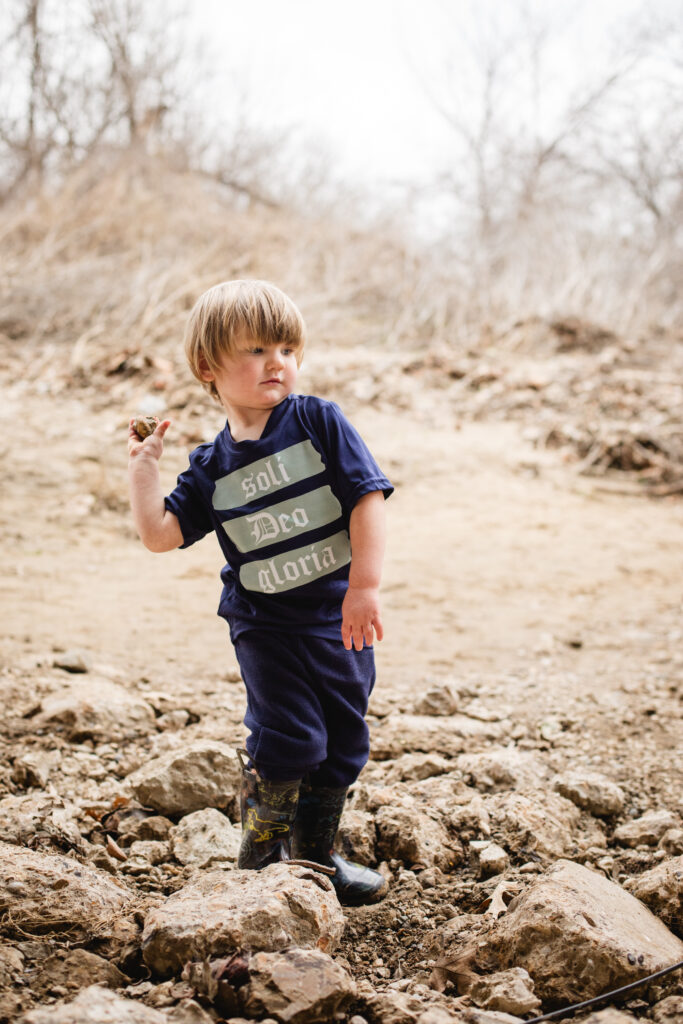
(120, 201)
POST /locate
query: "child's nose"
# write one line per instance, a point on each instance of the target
(275, 358)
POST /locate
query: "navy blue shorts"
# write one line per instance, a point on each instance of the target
(306, 703)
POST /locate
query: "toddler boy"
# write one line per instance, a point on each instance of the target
(297, 503)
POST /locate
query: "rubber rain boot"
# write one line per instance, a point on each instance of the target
(267, 810)
(315, 827)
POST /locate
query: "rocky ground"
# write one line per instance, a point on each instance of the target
(524, 789)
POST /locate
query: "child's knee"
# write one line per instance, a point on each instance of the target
(271, 748)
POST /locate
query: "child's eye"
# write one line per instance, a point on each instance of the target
(256, 350)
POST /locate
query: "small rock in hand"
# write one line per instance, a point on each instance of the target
(145, 425)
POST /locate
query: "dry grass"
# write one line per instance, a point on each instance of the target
(105, 268)
(99, 273)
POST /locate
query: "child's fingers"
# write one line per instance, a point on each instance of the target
(356, 635)
(162, 428)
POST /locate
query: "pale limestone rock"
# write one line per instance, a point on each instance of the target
(11, 965)
(503, 768)
(34, 768)
(413, 837)
(221, 911)
(45, 892)
(661, 889)
(463, 810)
(95, 1005)
(578, 934)
(296, 987)
(153, 828)
(416, 767)
(542, 822)
(442, 791)
(610, 1016)
(76, 969)
(76, 662)
(510, 991)
(356, 837)
(407, 733)
(195, 776)
(145, 854)
(668, 1011)
(390, 1007)
(591, 791)
(646, 830)
(427, 1007)
(96, 708)
(437, 1015)
(370, 798)
(672, 841)
(437, 701)
(471, 1015)
(205, 837)
(22, 817)
(488, 858)
(187, 1011)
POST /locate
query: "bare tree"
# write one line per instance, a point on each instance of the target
(542, 182)
(73, 76)
(143, 56)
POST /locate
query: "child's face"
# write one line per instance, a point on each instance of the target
(254, 377)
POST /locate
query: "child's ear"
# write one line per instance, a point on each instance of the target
(205, 371)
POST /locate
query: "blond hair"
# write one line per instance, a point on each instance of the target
(232, 309)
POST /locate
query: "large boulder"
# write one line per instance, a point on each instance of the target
(95, 1005)
(415, 837)
(405, 733)
(75, 969)
(503, 768)
(578, 935)
(647, 830)
(510, 991)
(541, 822)
(201, 774)
(661, 889)
(205, 837)
(23, 818)
(591, 791)
(96, 708)
(668, 1010)
(222, 911)
(296, 987)
(43, 893)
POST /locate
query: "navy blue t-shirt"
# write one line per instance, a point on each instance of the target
(280, 507)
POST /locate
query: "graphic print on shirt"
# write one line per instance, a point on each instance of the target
(298, 515)
(294, 568)
(281, 469)
(283, 520)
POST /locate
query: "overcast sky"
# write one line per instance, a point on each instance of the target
(355, 75)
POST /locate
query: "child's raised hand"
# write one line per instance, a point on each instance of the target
(152, 445)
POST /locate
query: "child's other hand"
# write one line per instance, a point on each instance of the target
(361, 619)
(152, 445)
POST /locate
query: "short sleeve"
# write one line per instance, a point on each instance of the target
(190, 508)
(350, 463)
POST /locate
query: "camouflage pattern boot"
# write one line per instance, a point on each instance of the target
(267, 810)
(313, 833)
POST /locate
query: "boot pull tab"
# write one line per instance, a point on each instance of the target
(240, 751)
